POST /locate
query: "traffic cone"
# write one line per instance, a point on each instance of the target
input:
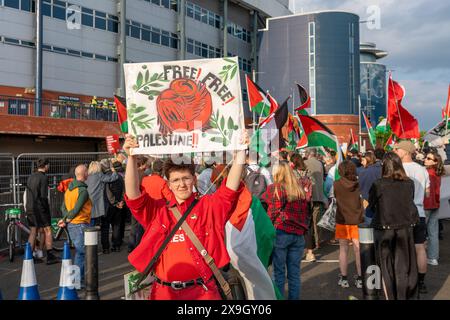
(66, 287)
(28, 284)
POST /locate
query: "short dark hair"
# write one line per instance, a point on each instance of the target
(370, 158)
(297, 161)
(347, 169)
(170, 166)
(393, 167)
(41, 163)
(157, 166)
(284, 155)
(379, 153)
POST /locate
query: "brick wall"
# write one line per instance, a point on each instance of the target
(341, 125)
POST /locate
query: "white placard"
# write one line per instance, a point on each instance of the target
(185, 106)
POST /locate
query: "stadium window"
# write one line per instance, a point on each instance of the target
(197, 13)
(12, 4)
(189, 10)
(174, 5)
(11, 41)
(100, 57)
(218, 53)
(165, 3)
(145, 34)
(190, 46)
(204, 16)
(87, 18)
(135, 30)
(100, 20)
(174, 41)
(59, 10)
(204, 50)
(156, 36)
(112, 59)
(74, 52)
(28, 43)
(198, 48)
(25, 5)
(113, 24)
(157, 2)
(59, 50)
(87, 54)
(165, 39)
(46, 8)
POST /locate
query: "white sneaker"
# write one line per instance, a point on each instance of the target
(432, 262)
(38, 254)
(343, 282)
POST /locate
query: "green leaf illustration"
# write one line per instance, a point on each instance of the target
(229, 60)
(230, 123)
(154, 77)
(139, 80)
(222, 122)
(139, 109)
(147, 75)
(141, 117)
(233, 72)
(155, 85)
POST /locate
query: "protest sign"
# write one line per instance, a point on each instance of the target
(113, 144)
(185, 106)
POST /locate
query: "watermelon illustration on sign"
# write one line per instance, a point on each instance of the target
(182, 104)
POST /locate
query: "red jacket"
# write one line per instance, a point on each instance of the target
(207, 220)
(433, 201)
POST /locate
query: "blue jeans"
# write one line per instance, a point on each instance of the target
(76, 232)
(433, 234)
(288, 251)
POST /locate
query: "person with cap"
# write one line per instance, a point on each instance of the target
(405, 150)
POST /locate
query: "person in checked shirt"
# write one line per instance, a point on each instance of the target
(288, 210)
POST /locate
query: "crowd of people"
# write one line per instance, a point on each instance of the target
(392, 192)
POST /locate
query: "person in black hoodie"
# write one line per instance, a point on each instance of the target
(391, 198)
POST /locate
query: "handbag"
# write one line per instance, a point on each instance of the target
(328, 220)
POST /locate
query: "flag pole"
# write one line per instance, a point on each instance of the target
(359, 121)
(253, 113)
(447, 112)
(262, 109)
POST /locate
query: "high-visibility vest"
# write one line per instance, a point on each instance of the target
(94, 102)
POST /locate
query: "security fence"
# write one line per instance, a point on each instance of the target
(7, 191)
(14, 173)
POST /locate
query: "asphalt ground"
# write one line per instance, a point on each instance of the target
(319, 279)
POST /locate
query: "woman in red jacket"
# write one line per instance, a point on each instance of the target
(435, 168)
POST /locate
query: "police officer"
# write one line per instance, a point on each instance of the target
(92, 111)
(114, 111)
(106, 111)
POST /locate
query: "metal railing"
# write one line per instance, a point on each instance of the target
(58, 109)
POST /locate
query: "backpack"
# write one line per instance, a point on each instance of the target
(255, 182)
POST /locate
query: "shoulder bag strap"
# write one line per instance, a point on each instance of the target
(164, 244)
(209, 260)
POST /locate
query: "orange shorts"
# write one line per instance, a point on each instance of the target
(346, 231)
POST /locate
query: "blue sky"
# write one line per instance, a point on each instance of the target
(416, 33)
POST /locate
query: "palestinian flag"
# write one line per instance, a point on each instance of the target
(446, 110)
(259, 101)
(353, 143)
(382, 127)
(305, 100)
(303, 139)
(268, 136)
(370, 131)
(249, 238)
(121, 106)
(389, 146)
(319, 135)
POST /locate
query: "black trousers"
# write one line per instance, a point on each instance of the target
(136, 233)
(396, 256)
(112, 218)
